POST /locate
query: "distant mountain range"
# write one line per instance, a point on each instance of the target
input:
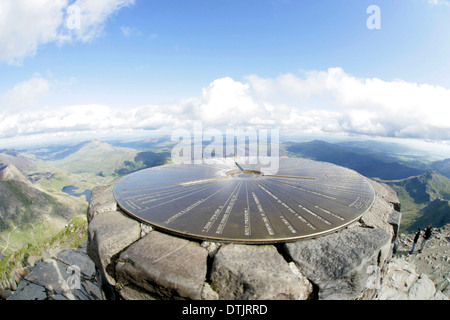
(442, 166)
(368, 163)
(101, 158)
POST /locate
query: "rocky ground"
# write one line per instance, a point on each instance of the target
(434, 261)
(65, 272)
(420, 276)
(61, 270)
(65, 275)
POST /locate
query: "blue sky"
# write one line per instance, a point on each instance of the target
(309, 67)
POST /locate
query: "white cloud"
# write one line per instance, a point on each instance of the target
(93, 16)
(24, 95)
(439, 2)
(225, 102)
(130, 32)
(313, 102)
(25, 25)
(365, 106)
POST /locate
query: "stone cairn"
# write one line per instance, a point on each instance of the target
(126, 259)
(135, 261)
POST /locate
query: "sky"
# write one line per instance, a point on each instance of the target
(77, 69)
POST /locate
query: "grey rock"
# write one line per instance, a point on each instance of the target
(5, 293)
(79, 259)
(422, 289)
(145, 229)
(51, 275)
(378, 216)
(14, 280)
(208, 293)
(108, 235)
(397, 281)
(212, 247)
(386, 193)
(29, 291)
(339, 263)
(440, 296)
(55, 280)
(102, 200)
(245, 272)
(164, 265)
(58, 297)
(134, 292)
(92, 290)
(394, 219)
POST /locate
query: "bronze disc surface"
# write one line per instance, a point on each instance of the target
(233, 202)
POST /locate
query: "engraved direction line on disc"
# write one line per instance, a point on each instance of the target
(247, 220)
(263, 214)
(216, 215)
(307, 203)
(176, 199)
(192, 206)
(282, 216)
(289, 177)
(224, 201)
(298, 215)
(230, 206)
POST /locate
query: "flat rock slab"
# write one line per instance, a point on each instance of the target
(339, 264)
(244, 272)
(79, 259)
(167, 266)
(108, 235)
(422, 289)
(50, 274)
(29, 291)
(101, 201)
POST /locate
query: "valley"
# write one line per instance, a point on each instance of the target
(42, 189)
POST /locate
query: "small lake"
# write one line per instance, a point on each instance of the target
(72, 191)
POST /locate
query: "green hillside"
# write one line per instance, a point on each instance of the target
(442, 166)
(437, 213)
(97, 158)
(424, 198)
(33, 202)
(29, 214)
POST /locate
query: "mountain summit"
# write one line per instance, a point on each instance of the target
(9, 172)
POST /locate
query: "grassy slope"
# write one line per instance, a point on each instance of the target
(96, 157)
(32, 215)
(68, 237)
(424, 199)
(47, 207)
